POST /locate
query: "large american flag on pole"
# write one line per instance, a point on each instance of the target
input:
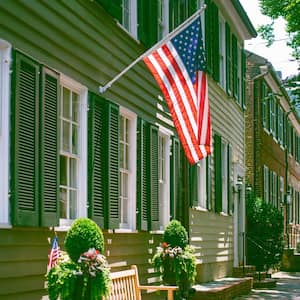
(179, 69)
(54, 254)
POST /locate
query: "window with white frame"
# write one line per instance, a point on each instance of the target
(129, 16)
(5, 50)
(222, 53)
(281, 191)
(201, 177)
(73, 150)
(163, 18)
(127, 187)
(224, 177)
(164, 178)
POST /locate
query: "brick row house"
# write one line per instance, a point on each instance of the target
(273, 143)
(68, 151)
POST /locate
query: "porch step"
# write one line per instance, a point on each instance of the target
(243, 271)
(265, 283)
(223, 289)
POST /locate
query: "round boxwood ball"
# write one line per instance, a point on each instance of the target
(175, 235)
(83, 235)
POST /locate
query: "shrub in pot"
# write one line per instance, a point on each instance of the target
(82, 272)
(175, 259)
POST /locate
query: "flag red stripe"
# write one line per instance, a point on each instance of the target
(166, 94)
(182, 80)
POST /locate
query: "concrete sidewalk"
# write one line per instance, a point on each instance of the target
(288, 287)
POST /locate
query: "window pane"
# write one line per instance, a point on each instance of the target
(63, 203)
(73, 205)
(122, 163)
(66, 103)
(63, 170)
(73, 173)
(74, 139)
(75, 107)
(66, 136)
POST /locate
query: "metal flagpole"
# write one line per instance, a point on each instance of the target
(169, 36)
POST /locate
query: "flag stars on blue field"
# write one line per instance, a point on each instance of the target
(189, 45)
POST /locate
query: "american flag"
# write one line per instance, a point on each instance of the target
(54, 254)
(179, 69)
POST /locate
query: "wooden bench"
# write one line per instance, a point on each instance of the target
(126, 286)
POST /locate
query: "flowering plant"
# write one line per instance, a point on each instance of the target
(87, 279)
(175, 260)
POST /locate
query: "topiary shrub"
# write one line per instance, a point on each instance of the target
(83, 235)
(175, 235)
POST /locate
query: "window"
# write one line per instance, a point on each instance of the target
(162, 19)
(281, 192)
(202, 188)
(127, 176)
(266, 183)
(4, 130)
(129, 16)
(73, 168)
(291, 206)
(164, 178)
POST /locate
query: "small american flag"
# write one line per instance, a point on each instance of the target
(54, 254)
(178, 67)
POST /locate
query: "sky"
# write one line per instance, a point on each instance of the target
(278, 54)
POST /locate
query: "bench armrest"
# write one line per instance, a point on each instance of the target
(169, 288)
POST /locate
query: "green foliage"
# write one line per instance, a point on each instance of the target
(267, 33)
(62, 279)
(175, 259)
(264, 234)
(82, 273)
(83, 235)
(175, 235)
(290, 11)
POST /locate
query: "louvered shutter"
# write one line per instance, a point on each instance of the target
(175, 177)
(193, 185)
(24, 141)
(113, 7)
(192, 7)
(208, 183)
(218, 172)
(228, 59)
(49, 147)
(243, 83)
(229, 178)
(215, 43)
(235, 67)
(96, 133)
(153, 177)
(142, 190)
(208, 33)
(112, 160)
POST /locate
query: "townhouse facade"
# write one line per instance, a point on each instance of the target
(68, 151)
(273, 143)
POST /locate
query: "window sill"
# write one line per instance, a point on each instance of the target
(5, 226)
(125, 230)
(200, 208)
(157, 232)
(224, 214)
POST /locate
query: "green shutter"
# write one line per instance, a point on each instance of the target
(208, 33)
(235, 67)
(192, 7)
(97, 199)
(112, 160)
(208, 184)
(153, 178)
(228, 59)
(24, 142)
(193, 185)
(143, 22)
(175, 177)
(142, 189)
(229, 178)
(215, 43)
(49, 147)
(218, 172)
(243, 83)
